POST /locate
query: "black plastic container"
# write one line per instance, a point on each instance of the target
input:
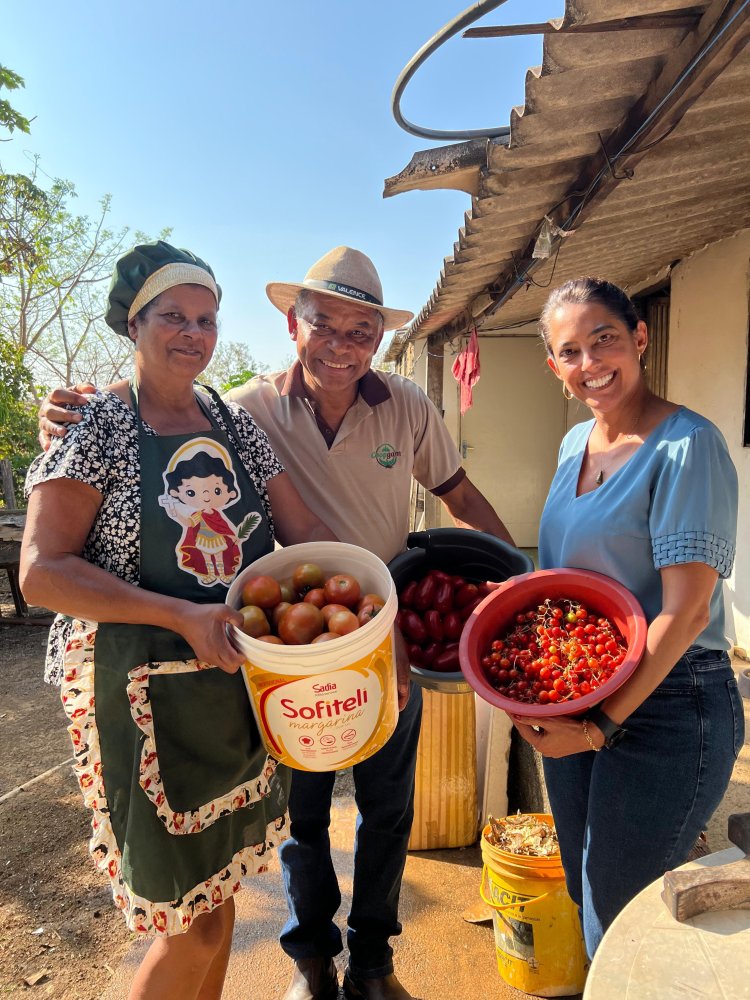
(475, 555)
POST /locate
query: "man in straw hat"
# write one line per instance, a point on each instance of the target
(351, 439)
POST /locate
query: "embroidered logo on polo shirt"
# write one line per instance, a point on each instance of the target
(386, 455)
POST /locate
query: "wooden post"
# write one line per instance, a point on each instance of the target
(6, 484)
(435, 358)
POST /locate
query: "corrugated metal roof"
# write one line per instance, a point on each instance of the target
(688, 189)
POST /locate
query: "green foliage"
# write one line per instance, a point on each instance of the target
(9, 117)
(18, 423)
(55, 268)
(232, 365)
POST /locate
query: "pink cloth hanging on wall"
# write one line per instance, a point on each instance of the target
(466, 370)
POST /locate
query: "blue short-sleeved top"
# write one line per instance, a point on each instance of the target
(674, 501)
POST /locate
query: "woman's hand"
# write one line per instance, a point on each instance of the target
(204, 627)
(557, 737)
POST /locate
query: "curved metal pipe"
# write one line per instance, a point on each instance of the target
(452, 28)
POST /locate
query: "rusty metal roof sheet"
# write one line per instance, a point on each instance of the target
(690, 184)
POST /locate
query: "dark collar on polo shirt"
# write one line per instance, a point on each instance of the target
(372, 389)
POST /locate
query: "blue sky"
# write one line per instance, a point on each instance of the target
(261, 133)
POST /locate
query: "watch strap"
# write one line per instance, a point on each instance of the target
(611, 731)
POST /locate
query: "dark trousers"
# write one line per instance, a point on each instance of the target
(627, 815)
(384, 792)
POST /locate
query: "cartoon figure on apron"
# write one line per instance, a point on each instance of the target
(199, 483)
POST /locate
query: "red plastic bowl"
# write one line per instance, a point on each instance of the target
(496, 614)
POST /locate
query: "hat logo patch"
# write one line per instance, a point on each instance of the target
(386, 455)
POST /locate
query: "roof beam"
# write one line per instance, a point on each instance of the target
(681, 19)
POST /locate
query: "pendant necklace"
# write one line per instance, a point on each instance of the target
(599, 477)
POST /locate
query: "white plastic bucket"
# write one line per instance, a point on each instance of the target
(328, 705)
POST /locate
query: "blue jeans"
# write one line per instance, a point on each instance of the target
(627, 815)
(384, 792)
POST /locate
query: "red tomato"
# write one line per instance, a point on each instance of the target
(374, 599)
(288, 593)
(444, 597)
(307, 576)
(254, 623)
(466, 594)
(300, 624)
(406, 597)
(330, 609)
(413, 627)
(278, 611)
(434, 625)
(272, 639)
(447, 661)
(262, 591)
(430, 651)
(452, 625)
(316, 596)
(326, 637)
(367, 612)
(425, 593)
(343, 622)
(342, 589)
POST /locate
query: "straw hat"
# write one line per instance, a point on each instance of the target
(345, 274)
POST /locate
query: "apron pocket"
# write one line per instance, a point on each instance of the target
(201, 757)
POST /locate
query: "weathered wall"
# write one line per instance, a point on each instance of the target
(708, 366)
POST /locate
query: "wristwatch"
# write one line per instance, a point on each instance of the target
(610, 730)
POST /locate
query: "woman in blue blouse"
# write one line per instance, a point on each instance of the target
(645, 493)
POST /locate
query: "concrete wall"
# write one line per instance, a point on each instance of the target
(708, 366)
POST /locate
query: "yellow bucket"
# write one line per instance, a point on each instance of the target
(324, 706)
(538, 940)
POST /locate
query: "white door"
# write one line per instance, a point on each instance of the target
(511, 435)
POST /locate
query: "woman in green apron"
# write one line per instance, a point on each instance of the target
(138, 521)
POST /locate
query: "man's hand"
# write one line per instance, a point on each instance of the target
(403, 668)
(52, 413)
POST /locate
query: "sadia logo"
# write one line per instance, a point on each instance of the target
(386, 455)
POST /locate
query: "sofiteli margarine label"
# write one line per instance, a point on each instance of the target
(323, 721)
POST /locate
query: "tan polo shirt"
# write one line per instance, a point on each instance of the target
(360, 485)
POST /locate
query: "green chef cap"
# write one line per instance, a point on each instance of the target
(148, 270)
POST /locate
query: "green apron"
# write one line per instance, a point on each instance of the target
(188, 790)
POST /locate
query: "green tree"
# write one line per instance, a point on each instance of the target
(9, 117)
(231, 365)
(18, 426)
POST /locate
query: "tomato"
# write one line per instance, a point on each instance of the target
(553, 654)
(271, 638)
(416, 655)
(329, 609)
(306, 577)
(343, 622)
(424, 596)
(316, 596)
(300, 624)
(325, 637)
(447, 661)
(430, 651)
(367, 613)
(262, 591)
(413, 627)
(370, 599)
(406, 597)
(342, 589)
(254, 623)
(278, 611)
(443, 597)
(452, 625)
(466, 594)
(434, 625)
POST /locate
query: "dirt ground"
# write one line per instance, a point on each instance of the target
(60, 935)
